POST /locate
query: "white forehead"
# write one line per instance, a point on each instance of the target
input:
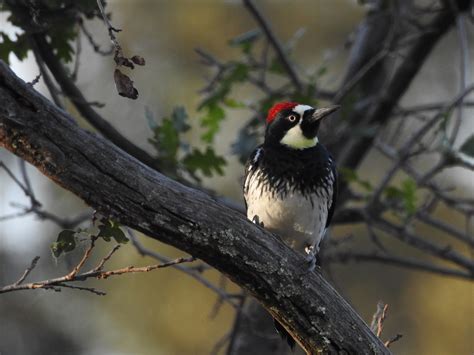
(300, 109)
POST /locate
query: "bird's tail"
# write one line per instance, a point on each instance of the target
(284, 334)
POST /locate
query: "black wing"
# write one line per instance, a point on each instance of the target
(251, 165)
(334, 194)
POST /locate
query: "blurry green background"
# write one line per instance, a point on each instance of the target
(167, 312)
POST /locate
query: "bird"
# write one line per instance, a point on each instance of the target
(290, 182)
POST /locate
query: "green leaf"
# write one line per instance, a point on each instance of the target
(348, 174)
(322, 70)
(468, 146)
(232, 103)
(393, 193)
(60, 40)
(409, 196)
(215, 115)
(236, 72)
(276, 67)
(168, 139)
(351, 176)
(406, 194)
(166, 136)
(19, 47)
(207, 162)
(239, 72)
(109, 230)
(64, 243)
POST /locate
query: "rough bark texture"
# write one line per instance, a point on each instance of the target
(118, 185)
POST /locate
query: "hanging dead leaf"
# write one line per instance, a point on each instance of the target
(138, 60)
(124, 85)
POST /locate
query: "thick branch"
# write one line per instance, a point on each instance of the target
(377, 93)
(118, 185)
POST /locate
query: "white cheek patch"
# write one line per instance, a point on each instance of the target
(300, 109)
(295, 138)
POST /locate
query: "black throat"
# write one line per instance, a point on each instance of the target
(285, 170)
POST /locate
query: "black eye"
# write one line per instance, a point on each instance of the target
(292, 118)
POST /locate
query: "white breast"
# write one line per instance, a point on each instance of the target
(298, 219)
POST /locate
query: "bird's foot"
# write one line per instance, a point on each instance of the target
(256, 220)
(311, 258)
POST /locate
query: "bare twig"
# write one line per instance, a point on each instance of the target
(393, 340)
(92, 42)
(220, 344)
(219, 301)
(35, 80)
(464, 66)
(229, 298)
(101, 264)
(378, 319)
(65, 281)
(387, 259)
(282, 57)
(27, 271)
(53, 90)
(111, 29)
(83, 260)
(77, 60)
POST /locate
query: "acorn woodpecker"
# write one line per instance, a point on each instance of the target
(290, 183)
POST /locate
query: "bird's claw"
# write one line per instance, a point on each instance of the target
(311, 258)
(256, 220)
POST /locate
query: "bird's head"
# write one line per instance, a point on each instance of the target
(295, 125)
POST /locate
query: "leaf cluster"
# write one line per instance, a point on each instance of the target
(58, 19)
(68, 239)
(176, 155)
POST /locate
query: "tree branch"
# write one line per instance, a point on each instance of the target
(282, 57)
(121, 187)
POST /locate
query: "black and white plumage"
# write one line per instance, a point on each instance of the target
(290, 183)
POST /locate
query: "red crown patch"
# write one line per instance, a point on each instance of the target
(277, 108)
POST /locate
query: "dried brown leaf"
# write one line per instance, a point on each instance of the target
(138, 60)
(124, 85)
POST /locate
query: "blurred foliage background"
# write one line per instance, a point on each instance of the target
(166, 312)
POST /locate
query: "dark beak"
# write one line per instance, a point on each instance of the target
(323, 112)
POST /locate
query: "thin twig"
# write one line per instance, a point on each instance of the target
(65, 281)
(27, 271)
(220, 344)
(379, 313)
(464, 65)
(229, 298)
(109, 26)
(35, 80)
(393, 340)
(282, 57)
(53, 90)
(92, 42)
(83, 260)
(101, 264)
(386, 259)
